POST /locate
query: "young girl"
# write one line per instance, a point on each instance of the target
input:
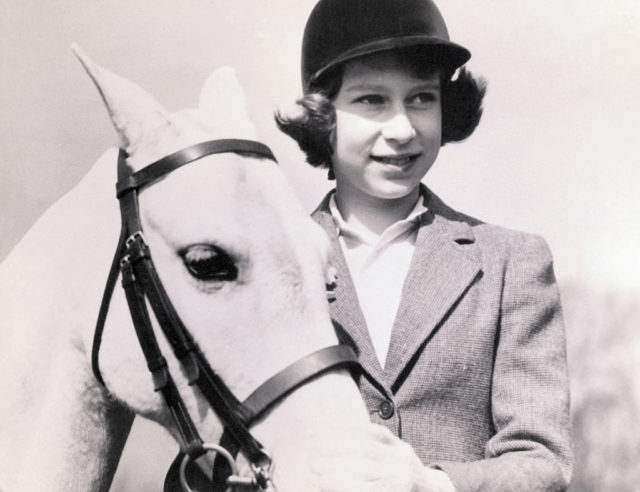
(457, 323)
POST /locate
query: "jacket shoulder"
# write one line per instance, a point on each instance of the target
(491, 236)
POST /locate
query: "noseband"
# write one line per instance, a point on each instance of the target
(141, 284)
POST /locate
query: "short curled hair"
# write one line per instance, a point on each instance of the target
(461, 102)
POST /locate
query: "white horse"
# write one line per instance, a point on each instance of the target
(60, 429)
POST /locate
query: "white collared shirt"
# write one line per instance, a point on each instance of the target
(379, 266)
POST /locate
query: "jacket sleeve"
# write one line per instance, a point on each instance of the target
(531, 449)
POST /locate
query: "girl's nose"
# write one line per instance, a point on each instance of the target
(399, 128)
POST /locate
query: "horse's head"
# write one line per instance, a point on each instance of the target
(242, 263)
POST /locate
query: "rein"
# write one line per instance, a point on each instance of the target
(141, 284)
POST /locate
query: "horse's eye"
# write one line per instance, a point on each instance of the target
(209, 263)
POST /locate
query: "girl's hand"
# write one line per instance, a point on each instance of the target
(374, 460)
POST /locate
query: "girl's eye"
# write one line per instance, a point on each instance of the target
(423, 98)
(209, 263)
(370, 99)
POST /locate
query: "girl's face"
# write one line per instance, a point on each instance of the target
(388, 128)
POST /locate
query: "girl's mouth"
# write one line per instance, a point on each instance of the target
(396, 160)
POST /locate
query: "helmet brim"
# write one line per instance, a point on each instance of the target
(449, 56)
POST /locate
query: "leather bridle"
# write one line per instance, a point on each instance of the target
(141, 284)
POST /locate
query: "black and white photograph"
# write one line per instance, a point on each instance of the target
(320, 246)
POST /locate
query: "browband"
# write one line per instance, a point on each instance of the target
(178, 159)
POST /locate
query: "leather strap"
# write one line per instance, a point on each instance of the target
(141, 284)
(112, 278)
(128, 181)
(170, 163)
(190, 440)
(228, 409)
(266, 395)
(199, 372)
(145, 284)
(295, 375)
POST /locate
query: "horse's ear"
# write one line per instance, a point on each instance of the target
(223, 105)
(136, 115)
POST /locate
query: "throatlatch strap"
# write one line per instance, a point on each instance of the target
(104, 307)
(123, 171)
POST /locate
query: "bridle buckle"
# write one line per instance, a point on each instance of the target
(137, 235)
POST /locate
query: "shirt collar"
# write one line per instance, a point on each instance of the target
(365, 236)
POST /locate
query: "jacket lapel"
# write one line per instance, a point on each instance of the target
(345, 309)
(445, 262)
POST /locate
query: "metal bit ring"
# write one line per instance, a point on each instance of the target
(209, 447)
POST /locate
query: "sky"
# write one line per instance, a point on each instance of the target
(555, 154)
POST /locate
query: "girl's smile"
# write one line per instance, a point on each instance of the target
(396, 160)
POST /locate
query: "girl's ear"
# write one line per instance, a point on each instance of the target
(331, 176)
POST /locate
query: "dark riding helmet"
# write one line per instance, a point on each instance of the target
(339, 30)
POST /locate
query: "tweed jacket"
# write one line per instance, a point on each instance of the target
(475, 378)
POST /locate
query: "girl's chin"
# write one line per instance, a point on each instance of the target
(393, 190)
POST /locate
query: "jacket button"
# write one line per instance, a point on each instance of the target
(386, 409)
